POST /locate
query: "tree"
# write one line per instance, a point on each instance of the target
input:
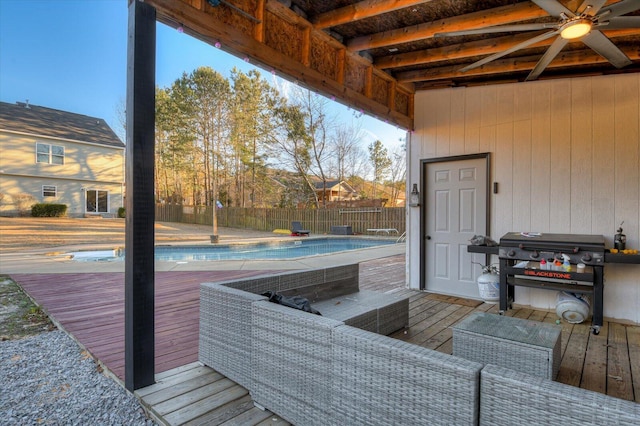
(397, 171)
(318, 129)
(347, 152)
(173, 149)
(251, 114)
(294, 145)
(202, 98)
(380, 161)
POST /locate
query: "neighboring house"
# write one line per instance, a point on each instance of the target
(53, 156)
(335, 190)
(391, 196)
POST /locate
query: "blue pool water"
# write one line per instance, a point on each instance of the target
(256, 251)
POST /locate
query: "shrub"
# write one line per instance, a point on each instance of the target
(48, 210)
(23, 203)
(121, 212)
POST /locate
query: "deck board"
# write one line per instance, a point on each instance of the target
(91, 308)
(618, 367)
(633, 340)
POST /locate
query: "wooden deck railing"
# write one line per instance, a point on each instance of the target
(318, 221)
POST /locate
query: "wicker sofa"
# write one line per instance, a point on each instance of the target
(338, 368)
(318, 370)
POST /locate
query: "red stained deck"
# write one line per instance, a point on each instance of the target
(91, 308)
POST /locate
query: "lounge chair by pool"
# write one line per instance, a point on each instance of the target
(296, 229)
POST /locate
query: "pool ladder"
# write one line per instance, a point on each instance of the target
(402, 237)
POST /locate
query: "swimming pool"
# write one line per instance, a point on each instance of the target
(273, 250)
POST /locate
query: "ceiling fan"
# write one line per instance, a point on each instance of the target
(583, 24)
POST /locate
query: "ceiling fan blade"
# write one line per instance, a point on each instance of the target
(519, 46)
(499, 29)
(619, 8)
(620, 23)
(605, 48)
(553, 8)
(590, 7)
(546, 59)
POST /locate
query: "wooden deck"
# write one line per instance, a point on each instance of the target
(91, 308)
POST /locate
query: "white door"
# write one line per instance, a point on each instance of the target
(456, 210)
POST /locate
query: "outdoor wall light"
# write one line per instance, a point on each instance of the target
(414, 196)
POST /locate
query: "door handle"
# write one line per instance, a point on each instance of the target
(428, 237)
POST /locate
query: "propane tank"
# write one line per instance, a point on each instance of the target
(620, 240)
(489, 284)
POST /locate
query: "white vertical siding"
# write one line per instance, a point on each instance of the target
(566, 156)
(559, 143)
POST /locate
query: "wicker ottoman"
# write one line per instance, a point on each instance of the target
(526, 346)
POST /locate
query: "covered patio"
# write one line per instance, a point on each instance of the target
(397, 62)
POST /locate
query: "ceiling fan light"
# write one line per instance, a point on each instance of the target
(575, 29)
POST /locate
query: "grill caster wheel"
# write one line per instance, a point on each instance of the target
(596, 330)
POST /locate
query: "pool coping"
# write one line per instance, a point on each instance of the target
(270, 244)
(57, 260)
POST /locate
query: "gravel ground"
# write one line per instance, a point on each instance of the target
(47, 380)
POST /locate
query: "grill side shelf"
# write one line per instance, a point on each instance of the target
(483, 249)
(622, 258)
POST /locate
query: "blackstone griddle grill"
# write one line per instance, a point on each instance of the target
(517, 248)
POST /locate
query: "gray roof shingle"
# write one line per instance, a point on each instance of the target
(42, 121)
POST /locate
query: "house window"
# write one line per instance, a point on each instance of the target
(97, 201)
(50, 154)
(49, 191)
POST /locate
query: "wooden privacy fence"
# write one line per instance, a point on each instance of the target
(317, 221)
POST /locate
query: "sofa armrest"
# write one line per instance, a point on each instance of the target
(225, 330)
(321, 284)
(255, 285)
(511, 397)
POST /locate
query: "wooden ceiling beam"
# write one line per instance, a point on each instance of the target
(475, 48)
(455, 51)
(204, 26)
(484, 18)
(362, 10)
(527, 63)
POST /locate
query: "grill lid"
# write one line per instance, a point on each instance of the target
(558, 242)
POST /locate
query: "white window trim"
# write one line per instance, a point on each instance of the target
(54, 190)
(50, 153)
(86, 192)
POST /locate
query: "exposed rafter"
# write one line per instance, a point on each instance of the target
(484, 18)
(362, 10)
(474, 48)
(568, 59)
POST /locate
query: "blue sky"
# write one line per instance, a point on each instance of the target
(72, 55)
